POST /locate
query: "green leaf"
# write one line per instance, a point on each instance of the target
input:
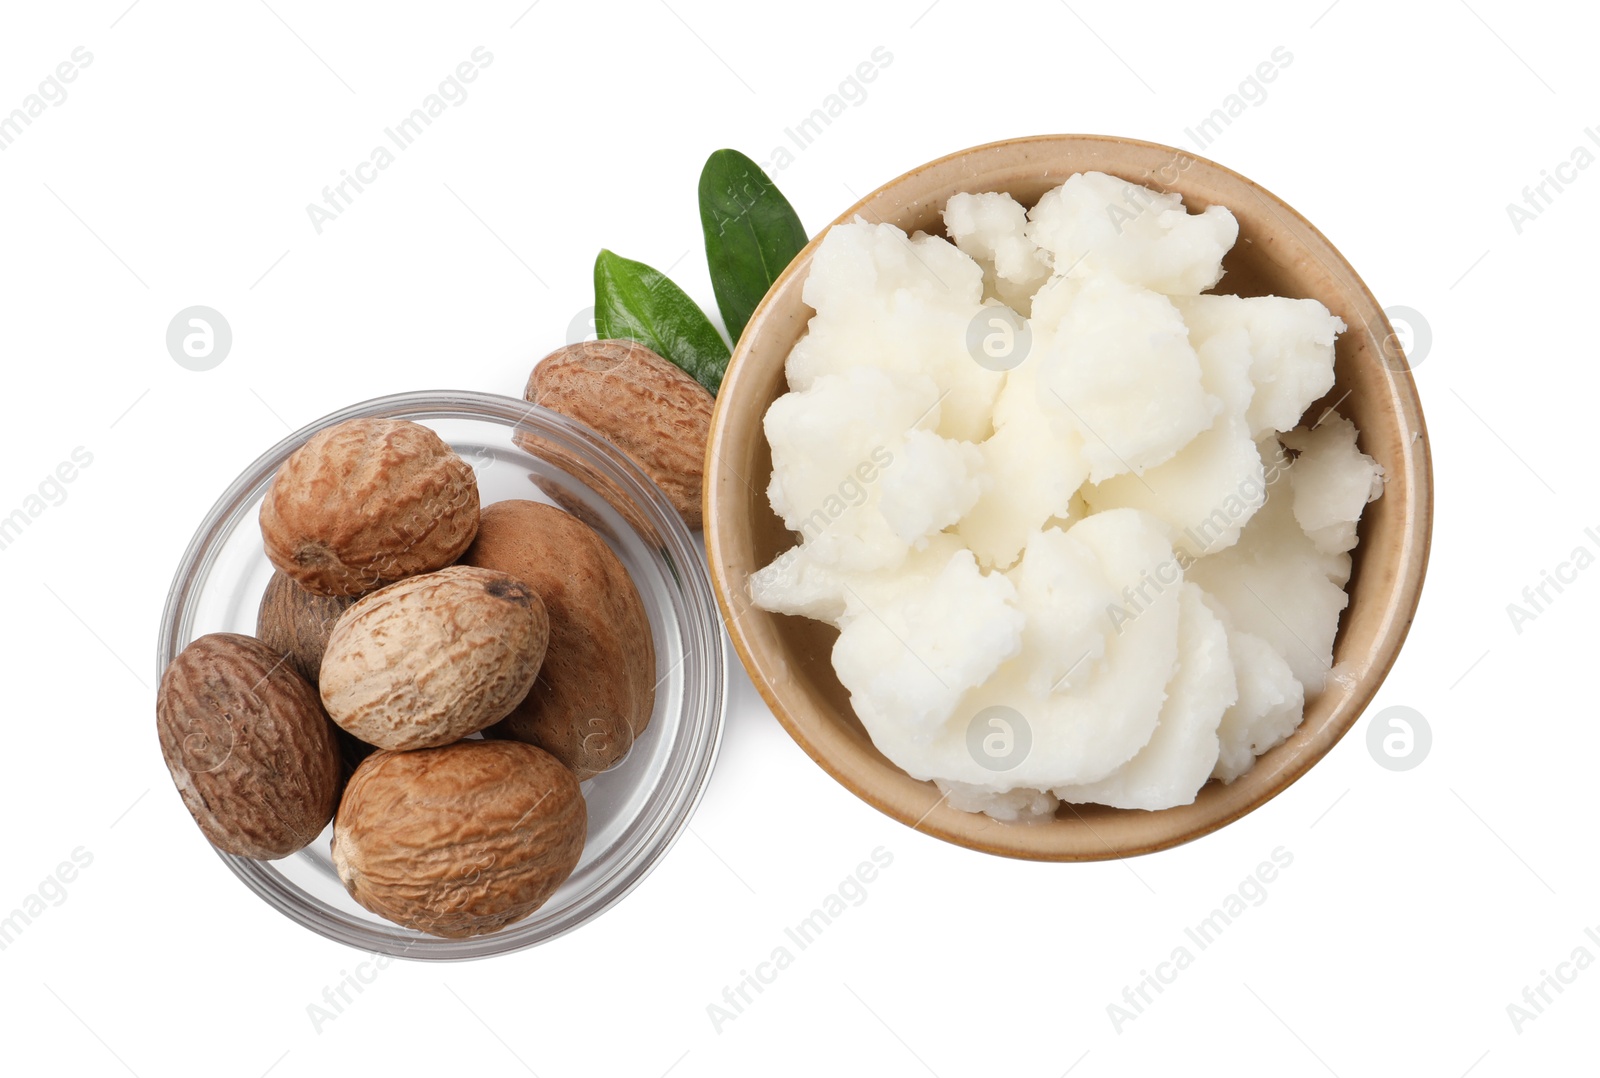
(635, 302)
(752, 234)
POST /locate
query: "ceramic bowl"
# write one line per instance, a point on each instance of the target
(1278, 252)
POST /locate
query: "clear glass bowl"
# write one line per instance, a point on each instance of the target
(637, 809)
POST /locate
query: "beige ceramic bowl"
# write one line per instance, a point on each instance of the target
(1279, 253)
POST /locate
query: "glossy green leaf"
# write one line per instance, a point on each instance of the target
(634, 302)
(752, 234)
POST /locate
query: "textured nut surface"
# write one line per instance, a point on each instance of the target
(642, 404)
(434, 658)
(297, 623)
(248, 746)
(460, 840)
(596, 690)
(366, 503)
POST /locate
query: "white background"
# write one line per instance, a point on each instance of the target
(1418, 904)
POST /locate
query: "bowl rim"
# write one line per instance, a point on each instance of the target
(1411, 566)
(704, 661)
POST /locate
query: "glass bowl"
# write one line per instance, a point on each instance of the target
(637, 809)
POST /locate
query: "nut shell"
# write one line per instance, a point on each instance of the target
(297, 623)
(642, 404)
(596, 690)
(248, 746)
(434, 658)
(576, 480)
(366, 503)
(460, 840)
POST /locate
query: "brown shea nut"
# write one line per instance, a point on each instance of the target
(296, 623)
(248, 746)
(352, 750)
(576, 480)
(459, 840)
(640, 403)
(366, 503)
(596, 689)
(433, 658)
